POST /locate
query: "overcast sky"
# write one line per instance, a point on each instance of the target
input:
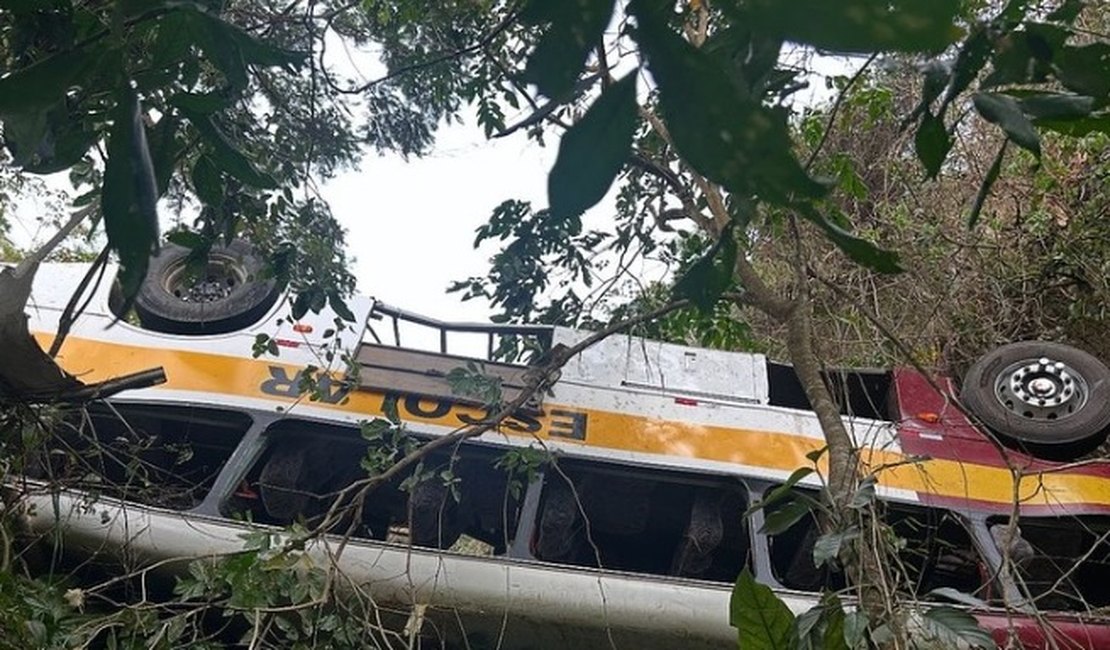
(411, 224)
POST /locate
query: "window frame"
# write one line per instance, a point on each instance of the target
(523, 549)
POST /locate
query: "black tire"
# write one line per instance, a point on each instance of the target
(230, 296)
(1064, 403)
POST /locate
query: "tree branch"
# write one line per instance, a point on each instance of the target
(543, 112)
(31, 262)
(71, 311)
(505, 23)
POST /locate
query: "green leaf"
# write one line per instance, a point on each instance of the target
(36, 631)
(231, 49)
(210, 34)
(985, 187)
(762, 620)
(26, 136)
(750, 59)
(128, 194)
(1068, 11)
(822, 627)
(1077, 127)
(56, 140)
(855, 630)
(206, 181)
(932, 143)
(129, 8)
(335, 301)
(882, 635)
(858, 249)
(225, 155)
(311, 299)
(721, 130)
(188, 239)
(575, 28)
(42, 83)
(593, 151)
(44, 129)
(865, 493)
(201, 103)
(28, 6)
(957, 596)
(780, 492)
(164, 150)
(709, 276)
(1006, 113)
(835, 620)
(1086, 70)
(843, 169)
(1025, 56)
(860, 25)
(936, 77)
(257, 52)
(827, 546)
(1012, 11)
(300, 305)
(807, 626)
(970, 59)
(1054, 106)
(172, 41)
(784, 517)
(955, 628)
(318, 301)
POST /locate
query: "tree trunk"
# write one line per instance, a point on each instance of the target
(861, 562)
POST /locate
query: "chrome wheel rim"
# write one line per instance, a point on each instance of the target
(1042, 390)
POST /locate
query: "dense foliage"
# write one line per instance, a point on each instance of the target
(233, 110)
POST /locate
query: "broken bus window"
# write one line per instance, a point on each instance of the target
(1061, 563)
(166, 456)
(460, 494)
(935, 550)
(646, 521)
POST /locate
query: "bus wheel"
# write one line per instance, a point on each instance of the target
(227, 294)
(1043, 394)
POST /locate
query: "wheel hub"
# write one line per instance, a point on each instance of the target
(215, 282)
(1041, 389)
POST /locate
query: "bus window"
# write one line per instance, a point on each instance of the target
(166, 456)
(792, 556)
(935, 550)
(656, 522)
(1062, 563)
(859, 393)
(461, 501)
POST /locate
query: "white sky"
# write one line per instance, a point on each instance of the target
(411, 224)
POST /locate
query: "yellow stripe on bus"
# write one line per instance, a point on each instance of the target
(776, 451)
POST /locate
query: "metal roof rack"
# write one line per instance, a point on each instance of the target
(543, 334)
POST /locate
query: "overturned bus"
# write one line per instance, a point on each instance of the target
(630, 528)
